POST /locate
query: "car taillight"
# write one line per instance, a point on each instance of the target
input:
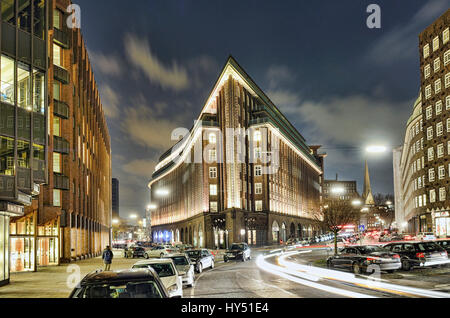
(420, 255)
(396, 256)
(371, 259)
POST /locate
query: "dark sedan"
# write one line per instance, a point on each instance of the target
(359, 258)
(238, 251)
(135, 283)
(420, 254)
(134, 251)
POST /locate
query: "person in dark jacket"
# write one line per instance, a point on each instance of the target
(107, 257)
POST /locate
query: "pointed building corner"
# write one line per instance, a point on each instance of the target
(367, 192)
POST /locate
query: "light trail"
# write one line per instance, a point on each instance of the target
(371, 283)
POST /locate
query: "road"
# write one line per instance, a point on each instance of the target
(274, 278)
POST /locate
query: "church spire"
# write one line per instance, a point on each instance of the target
(367, 194)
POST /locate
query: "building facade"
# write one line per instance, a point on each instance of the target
(434, 44)
(115, 199)
(338, 190)
(242, 173)
(69, 217)
(23, 115)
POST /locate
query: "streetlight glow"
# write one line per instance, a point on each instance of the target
(162, 192)
(338, 190)
(133, 216)
(376, 149)
(356, 202)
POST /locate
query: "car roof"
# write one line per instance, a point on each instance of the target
(175, 255)
(154, 261)
(118, 275)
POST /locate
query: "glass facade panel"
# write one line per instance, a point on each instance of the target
(24, 86)
(56, 126)
(6, 156)
(24, 15)
(39, 91)
(57, 162)
(39, 18)
(8, 11)
(23, 154)
(56, 90)
(7, 80)
(39, 128)
(23, 124)
(22, 254)
(57, 55)
(7, 119)
(3, 238)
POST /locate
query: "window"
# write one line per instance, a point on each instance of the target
(429, 112)
(212, 155)
(438, 107)
(57, 162)
(441, 173)
(56, 126)
(8, 11)
(432, 196)
(448, 124)
(430, 154)
(440, 150)
(437, 86)
(258, 153)
(437, 64)
(258, 171)
(213, 206)
(447, 80)
(7, 156)
(429, 133)
(213, 189)
(446, 57)
(442, 194)
(445, 35)
(24, 15)
(258, 188)
(435, 43)
(427, 71)
(38, 92)
(213, 173)
(447, 102)
(56, 90)
(56, 197)
(439, 129)
(7, 79)
(39, 18)
(428, 92)
(57, 19)
(258, 206)
(57, 55)
(426, 51)
(212, 138)
(257, 136)
(431, 174)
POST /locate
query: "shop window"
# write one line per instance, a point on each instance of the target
(39, 18)
(7, 80)
(8, 11)
(39, 92)
(24, 86)
(6, 156)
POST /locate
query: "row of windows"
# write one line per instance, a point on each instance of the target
(439, 130)
(438, 108)
(442, 173)
(436, 43)
(23, 17)
(439, 150)
(437, 86)
(437, 64)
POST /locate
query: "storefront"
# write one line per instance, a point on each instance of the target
(442, 224)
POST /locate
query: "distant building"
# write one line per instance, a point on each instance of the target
(115, 198)
(344, 191)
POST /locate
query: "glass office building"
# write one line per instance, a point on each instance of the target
(23, 120)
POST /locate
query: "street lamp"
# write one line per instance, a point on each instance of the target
(162, 192)
(133, 216)
(376, 149)
(356, 202)
(115, 221)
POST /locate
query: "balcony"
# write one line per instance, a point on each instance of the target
(60, 109)
(61, 74)
(60, 145)
(60, 182)
(61, 37)
(259, 121)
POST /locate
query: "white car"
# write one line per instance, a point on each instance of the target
(167, 273)
(426, 236)
(184, 267)
(160, 251)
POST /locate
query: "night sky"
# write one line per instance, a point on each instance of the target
(341, 84)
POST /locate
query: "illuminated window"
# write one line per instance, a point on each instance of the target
(447, 102)
(428, 92)
(258, 206)
(438, 107)
(212, 155)
(57, 162)
(430, 154)
(57, 126)
(437, 64)
(213, 206)
(445, 36)
(442, 194)
(57, 55)
(446, 57)
(431, 174)
(447, 80)
(213, 189)
(212, 138)
(429, 112)
(435, 43)
(432, 195)
(439, 129)
(437, 86)
(426, 51)
(448, 124)
(440, 150)
(258, 171)
(430, 133)
(258, 188)
(427, 71)
(213, 173)
(257, 136)
(56, 197)
(441, 172)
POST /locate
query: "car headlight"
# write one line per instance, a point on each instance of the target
(172, 288)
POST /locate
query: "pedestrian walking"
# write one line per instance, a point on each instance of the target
(107, 257)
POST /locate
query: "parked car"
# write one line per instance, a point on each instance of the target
(160, 251)
(445, 244)
(140, 283)
(421, 254)
(134, 252)
(201, 259)
(359, 258)
(238, 251)
(426, 236)
(184, 267)
(167, 272)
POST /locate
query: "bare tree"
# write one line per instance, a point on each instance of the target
(335, 215)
